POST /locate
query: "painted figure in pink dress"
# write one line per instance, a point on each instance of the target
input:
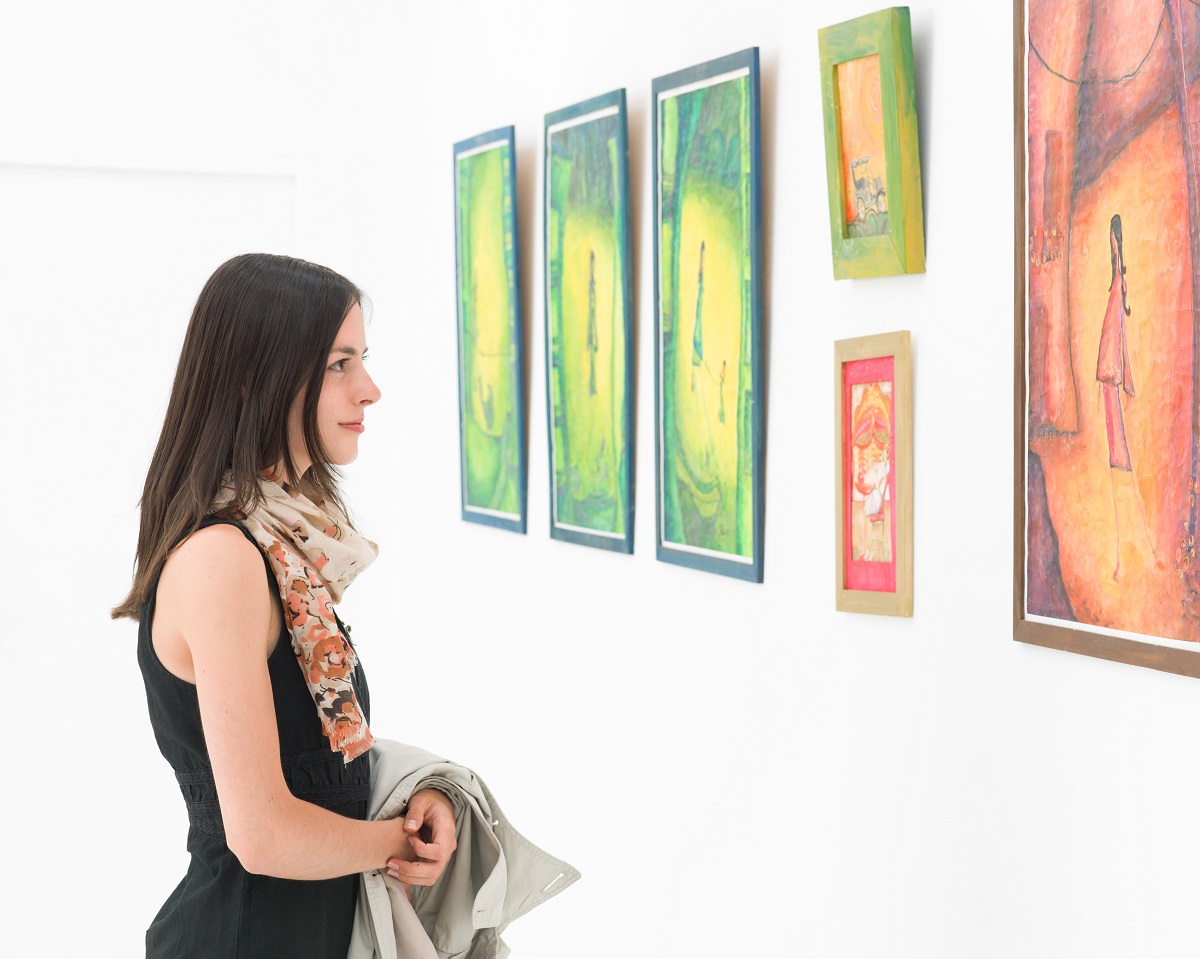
(1114, 375)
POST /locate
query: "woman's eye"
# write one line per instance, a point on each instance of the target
(338, 367)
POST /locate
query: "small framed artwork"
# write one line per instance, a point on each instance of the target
(872, 161)
(589, 323)
(708, 317)
(874, 509)
(1107, 414)
(491, 408)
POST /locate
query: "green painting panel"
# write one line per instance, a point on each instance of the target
(707, 318)
(587, 326)
(487, 297)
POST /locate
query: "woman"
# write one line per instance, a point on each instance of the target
(255, 694)
(1113, 374)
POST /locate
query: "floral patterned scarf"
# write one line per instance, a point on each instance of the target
(315, 554)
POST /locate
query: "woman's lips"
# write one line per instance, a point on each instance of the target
(355, 427)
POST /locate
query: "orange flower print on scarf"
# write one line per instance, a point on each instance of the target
(325, 606)
(314, 557)
(324, 654)
(330, 657)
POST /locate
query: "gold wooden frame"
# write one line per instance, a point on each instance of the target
(897, 346)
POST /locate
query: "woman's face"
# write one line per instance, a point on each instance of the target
(347, 391)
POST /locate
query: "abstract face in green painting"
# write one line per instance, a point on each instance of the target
(587, 323)
(488, 348)
(706, 383)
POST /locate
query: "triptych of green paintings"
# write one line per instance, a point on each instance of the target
(707, 330)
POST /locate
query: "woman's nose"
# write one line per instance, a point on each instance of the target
(371, 393)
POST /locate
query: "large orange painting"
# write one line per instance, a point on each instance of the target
(1112, 210)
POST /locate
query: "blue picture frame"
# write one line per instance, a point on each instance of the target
(589, 323)
(710, 496)
(490, 330)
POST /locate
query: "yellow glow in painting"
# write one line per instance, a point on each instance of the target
(489, 380)
(706, 391)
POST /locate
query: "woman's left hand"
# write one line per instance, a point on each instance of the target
(429, 823)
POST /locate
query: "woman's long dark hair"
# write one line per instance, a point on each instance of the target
(1118, 258)
(259, 337)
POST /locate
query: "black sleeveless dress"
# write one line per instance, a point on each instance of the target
(220, 911)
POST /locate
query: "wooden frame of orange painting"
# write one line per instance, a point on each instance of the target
(872, 157)
(874, 473)
(1107, 290)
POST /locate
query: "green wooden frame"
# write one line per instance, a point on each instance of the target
(902, 248)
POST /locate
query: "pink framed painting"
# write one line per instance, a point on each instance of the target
(873, 404)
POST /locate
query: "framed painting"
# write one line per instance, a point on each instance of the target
(874, 474)
(1107, 414)
(708, 317)
(491, 404)
(872, 161)
(589, 323)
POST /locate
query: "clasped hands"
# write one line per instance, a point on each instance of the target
(431, 839)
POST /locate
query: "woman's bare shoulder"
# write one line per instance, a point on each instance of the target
(220, 560)
(213, 596)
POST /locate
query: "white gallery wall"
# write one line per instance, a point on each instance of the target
(736, 769)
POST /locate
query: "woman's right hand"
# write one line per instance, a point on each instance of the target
(400, 850)
(430, 839)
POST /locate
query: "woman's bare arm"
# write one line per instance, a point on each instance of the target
(214, 599)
